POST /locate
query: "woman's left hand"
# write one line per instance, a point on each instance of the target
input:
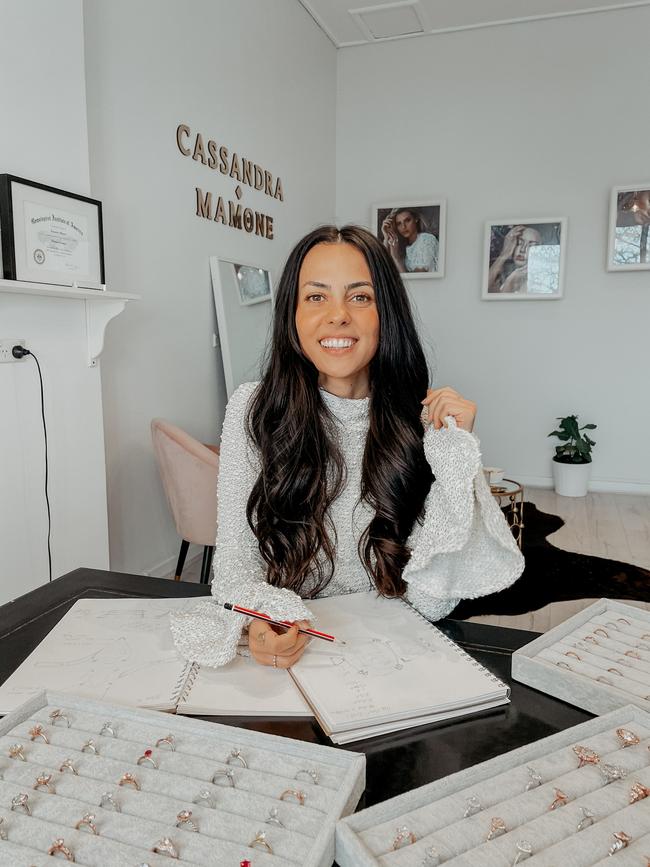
(441, 402)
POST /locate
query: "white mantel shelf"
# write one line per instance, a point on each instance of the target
(101, 307)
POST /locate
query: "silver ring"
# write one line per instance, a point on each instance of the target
(431, 857)
(235, 755)
(524, 850)
(89, 747)
(68, 765)
(20, 802)
(274, 818)
(88, 821)
(37, 732)
(147, 756)
(312, 775)
(107, 730)
(44, 781)
(16, 752)
(184, 820)
(165, 847)
(534, 779)
(404, 837)
(205, 799)
(221, 775)
(57, 715)
(611, 773)
(107, 801)
(260, 841)
(170, 740)
(473, 806)
(587, 819)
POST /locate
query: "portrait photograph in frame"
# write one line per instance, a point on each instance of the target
(524, 259)
(254, 284)
(50, 235)
(628, 247)
(414, 235)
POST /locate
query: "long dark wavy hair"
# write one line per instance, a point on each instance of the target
(302, 468)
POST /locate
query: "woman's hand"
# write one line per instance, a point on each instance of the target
(441, 402)
(267, 645)
(510, 242)
(388, 232)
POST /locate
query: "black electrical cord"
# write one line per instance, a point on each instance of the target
(20, 352)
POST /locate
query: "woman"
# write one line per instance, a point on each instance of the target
(328, 482)
(509, 271)
(412, 249)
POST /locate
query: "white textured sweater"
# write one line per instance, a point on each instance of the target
(463, 548)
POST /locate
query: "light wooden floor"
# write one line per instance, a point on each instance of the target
(616, 526)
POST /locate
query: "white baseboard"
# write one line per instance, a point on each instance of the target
(599, 486)
(165, 569)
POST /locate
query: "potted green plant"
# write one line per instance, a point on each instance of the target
(572, 460)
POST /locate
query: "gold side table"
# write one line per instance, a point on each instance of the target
(513, 494)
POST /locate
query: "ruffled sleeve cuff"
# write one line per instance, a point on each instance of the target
(464, 548)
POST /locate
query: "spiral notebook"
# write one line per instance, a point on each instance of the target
(395, 671)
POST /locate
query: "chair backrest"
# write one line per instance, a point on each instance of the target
(189, 472)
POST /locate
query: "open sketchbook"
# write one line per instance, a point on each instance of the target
(121, 651)
(395, 671)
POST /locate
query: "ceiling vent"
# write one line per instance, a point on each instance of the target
(389, 21)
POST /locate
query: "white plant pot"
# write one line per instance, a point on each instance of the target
(571, 480)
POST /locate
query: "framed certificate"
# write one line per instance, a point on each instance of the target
(50, 235)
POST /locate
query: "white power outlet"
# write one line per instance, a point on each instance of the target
(6, 345)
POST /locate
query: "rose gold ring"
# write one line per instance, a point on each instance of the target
(621, 841)
(16, 752)
(638, 792)
(260, 841)
(586, 756)
(58, 715)
(68, 766)
(404, 837)
(615, 671)
(129, 780)
(37, 732)
(170, 740)
(147, 756)
(165, 847)
(44, 781)
(633, 653)
(574, 654)
(627, 738)
(497, 827)
(298, 794)
(560, 800)
(601, 631)
(184, 820)
(59, 846)
(88, 821)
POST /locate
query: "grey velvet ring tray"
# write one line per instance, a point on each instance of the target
(437, 814)
(332, 781)
(599, 674)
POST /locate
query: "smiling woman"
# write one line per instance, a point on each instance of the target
(340, 471)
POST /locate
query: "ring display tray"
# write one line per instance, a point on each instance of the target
(149, 770)
(568, 799)
(597, 660)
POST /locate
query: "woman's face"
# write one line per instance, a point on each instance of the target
(406, 225)
(336, 316)
(528, 238)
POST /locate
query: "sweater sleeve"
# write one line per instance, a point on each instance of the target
(208, 634)
(463, 548)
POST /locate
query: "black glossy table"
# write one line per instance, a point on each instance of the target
(395, 763)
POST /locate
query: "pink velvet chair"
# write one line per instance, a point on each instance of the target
(189, 471)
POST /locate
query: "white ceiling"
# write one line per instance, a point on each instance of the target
(347, 23)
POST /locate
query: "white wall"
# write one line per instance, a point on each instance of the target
(534, 119)
(43, 138)
(256, 76)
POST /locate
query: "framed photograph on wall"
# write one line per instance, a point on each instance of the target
(254, 284)
(628, 247)
(414, 235)
(524, 259)
(49, 235)
(244, 322)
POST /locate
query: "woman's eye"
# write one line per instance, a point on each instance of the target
(361, 297)
(315, 296)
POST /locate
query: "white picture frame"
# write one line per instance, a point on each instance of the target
(244, 325)
(628, 237)
(431, 214)
(507, 273)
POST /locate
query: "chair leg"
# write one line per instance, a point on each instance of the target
(181, 560)
(206, 566)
